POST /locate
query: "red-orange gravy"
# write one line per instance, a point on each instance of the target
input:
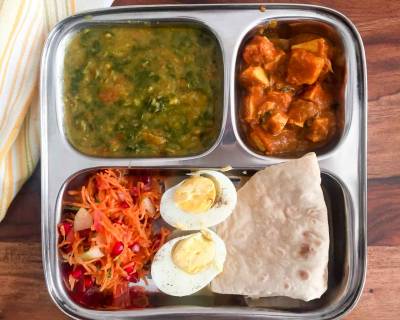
(288, 104)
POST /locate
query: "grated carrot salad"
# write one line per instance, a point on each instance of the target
(123, 211)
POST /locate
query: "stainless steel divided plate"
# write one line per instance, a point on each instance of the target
(343, 164)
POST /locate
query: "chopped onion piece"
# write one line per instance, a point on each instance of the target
(148, 205)
(83, 220)
(92, 254)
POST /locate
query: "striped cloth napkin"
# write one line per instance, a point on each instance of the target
(24, 25)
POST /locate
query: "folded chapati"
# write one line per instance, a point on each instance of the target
(277, 238)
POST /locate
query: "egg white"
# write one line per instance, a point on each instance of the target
(225, 203)
(173, 281)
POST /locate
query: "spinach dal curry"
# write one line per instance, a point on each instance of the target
(143, 90)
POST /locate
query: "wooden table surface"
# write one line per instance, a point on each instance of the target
(23, 292)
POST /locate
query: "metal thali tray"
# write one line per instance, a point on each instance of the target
(343, 165)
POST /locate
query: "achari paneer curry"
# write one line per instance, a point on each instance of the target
(145, 90)
(288, 106)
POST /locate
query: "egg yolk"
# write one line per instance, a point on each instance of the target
(195, 253)
(196, 194)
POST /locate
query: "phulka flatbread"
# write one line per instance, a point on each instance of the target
(277, 238)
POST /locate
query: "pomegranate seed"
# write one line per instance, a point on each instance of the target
(88, 282)
(129, 270)
(70, 236)
(117, 249)
(135, 247)
(65, 227)
(134, 277)
(124, 205)
(66, 269)
(135, 192)
(84, 233)
(78, 272)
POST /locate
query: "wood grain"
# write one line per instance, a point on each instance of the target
(384, 211)
(22, 222)
(23, 293)
(380, 298)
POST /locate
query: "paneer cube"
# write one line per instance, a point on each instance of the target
(326, 69)
(265, 107)
(300, 111)
(319, 130)
(304, 67)
(272, 65)
(249, 109)
(263, 141)
(253, 76)
(319, 47)
(259, 51)
(319, 96)
(270, 144)
(274, 100)
(275, 123)
(257, 139)
(281, 99)
(251, 102)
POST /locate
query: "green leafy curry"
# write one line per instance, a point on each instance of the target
(143, 90)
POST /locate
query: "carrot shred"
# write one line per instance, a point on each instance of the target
(118, 217)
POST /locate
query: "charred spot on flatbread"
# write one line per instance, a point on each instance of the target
(303, 275)
(306, 251)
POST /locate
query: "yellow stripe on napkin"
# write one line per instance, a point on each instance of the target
(24, 25)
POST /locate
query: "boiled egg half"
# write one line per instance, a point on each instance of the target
(203, 200)
(185, 265)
